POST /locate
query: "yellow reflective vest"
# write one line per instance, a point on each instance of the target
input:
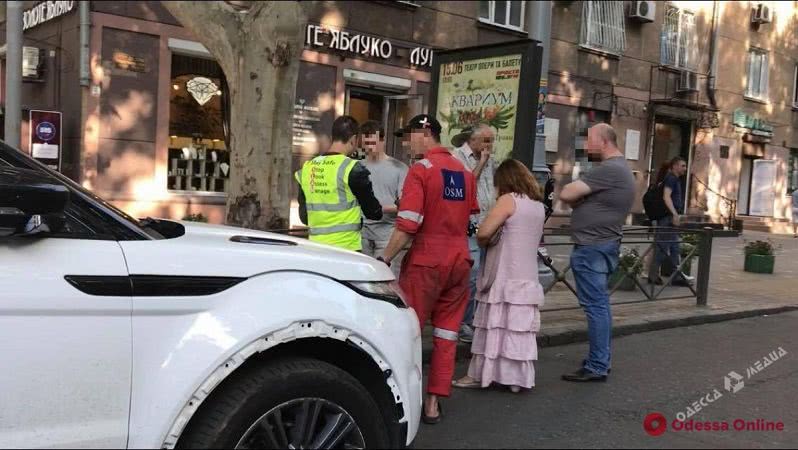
(333, 211)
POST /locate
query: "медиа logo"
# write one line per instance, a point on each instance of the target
(733, 382)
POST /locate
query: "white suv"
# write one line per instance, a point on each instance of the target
(158, 334)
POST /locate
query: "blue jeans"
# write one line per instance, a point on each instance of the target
(667, 246)
(476, 252)
(592, 266)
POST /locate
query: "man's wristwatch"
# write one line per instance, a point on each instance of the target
(380, 258)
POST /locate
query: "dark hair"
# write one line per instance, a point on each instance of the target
(344, 128)
(512, 177)
(676, 160)
(371, 127)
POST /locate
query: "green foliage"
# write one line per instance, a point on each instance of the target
(628, 261)
(760, 247)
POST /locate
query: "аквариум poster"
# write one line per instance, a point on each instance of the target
(480, 91)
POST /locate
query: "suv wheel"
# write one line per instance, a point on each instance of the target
(289, 403)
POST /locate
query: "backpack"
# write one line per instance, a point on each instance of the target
(654, 203)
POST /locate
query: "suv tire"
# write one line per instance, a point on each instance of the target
(280, 394)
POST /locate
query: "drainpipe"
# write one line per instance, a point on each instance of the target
(538, 19)
(13, 88)
(85, 25)
(713, 55)
(84, 31)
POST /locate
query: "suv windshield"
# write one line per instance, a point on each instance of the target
(135, 229)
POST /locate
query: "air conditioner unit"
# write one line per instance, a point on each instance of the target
(643, 11)
(762, 13)
(688, 82)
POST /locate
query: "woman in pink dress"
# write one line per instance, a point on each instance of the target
(509, 294)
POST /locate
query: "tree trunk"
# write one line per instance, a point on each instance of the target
(258, 45)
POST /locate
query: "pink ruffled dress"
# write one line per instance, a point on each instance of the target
(509, 295)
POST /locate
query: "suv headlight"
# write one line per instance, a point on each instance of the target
(387, 291)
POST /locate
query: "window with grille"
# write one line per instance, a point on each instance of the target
(757, 86)
(603, 26)
(679, 44)
(792, 172)
(795, 88)
(505, 13)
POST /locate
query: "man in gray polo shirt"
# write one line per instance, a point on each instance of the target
(387, 177)
(601, 201)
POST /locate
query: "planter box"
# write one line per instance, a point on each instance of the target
(759, 263)
(628, 284)
(667, 268)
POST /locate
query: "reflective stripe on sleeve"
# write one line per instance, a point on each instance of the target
(448, 335)
(411, 216)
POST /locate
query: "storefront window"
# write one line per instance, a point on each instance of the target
(792, 172)
(199, 160)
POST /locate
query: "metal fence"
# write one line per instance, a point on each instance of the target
(699, 248)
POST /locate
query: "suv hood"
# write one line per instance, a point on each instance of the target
(215, 250)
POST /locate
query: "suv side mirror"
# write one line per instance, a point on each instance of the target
(30, 202)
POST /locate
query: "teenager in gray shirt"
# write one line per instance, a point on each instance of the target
(387, 177)
(601, 201)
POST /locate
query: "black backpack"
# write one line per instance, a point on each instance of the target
(654, 203)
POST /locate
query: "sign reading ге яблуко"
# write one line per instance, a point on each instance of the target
(361, 44)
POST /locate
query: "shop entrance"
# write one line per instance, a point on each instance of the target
(756, 194)
(672, 138)
(392, 110)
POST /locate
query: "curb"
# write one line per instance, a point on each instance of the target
(575, 336)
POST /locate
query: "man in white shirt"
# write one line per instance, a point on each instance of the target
(476, 155)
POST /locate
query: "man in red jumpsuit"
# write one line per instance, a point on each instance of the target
(438, 197)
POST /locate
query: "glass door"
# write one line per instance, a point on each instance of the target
(398, 110)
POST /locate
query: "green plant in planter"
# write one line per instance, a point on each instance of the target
(198, 217)
(689, 242)
(628, 263)
(760, 256)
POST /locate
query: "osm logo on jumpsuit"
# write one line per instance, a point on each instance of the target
(453, 185)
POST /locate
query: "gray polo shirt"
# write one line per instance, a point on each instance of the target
(387, 177)
(599, 218)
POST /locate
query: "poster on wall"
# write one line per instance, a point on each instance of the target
(496, 85)
(45, 137)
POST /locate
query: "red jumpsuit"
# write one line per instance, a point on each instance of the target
(438, 197)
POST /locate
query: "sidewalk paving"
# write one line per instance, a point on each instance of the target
(733, 294)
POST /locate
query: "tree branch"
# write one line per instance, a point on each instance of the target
(220, 23)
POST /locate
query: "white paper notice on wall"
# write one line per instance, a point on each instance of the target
(45, 151)
(552, 134)
(632, 145)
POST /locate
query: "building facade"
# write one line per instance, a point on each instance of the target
(147, 132)
(713, 82)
